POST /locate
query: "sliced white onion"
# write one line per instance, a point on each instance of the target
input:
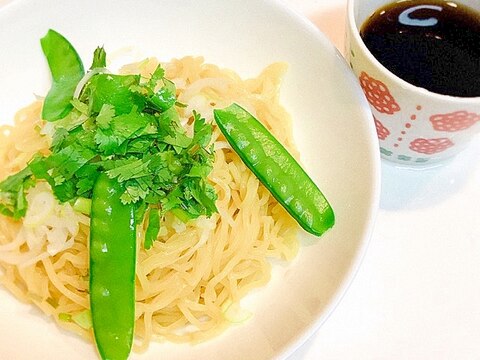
(235, 314)
(178, 225)
(41, 207)
(57, 240)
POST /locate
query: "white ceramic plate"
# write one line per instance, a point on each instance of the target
(332, 127)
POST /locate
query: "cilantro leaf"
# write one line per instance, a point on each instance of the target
(163, 99)
(129, 169)
(70, 159)
(110, 140)
(134, 192)
(104, 117)
(202, 131)
(157, 75)
(13, 201)
(114, 90)
(153, 228)
(179, 140)
(58, 138)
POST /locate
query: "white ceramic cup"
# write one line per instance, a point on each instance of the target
(414, 126)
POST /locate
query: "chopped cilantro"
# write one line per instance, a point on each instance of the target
(130, 128)
(12, 194)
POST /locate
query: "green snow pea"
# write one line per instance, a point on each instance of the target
(112, 269)
(276, 169)
(67, 70)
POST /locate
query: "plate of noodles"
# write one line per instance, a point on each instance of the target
(193, 123)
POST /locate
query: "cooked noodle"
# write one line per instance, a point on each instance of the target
(189, 284)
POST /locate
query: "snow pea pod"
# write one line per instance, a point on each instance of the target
(112, 269)
(67, 70)
(276, 168)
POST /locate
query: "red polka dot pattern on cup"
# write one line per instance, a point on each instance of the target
(382, 131)
(430, 146)
(406, 127)
(378, 95)
(456, 121)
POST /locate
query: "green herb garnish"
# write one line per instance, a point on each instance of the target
(128, 127)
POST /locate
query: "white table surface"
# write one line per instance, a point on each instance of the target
(417, 292)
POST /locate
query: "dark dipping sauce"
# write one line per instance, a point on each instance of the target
(431, 44)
